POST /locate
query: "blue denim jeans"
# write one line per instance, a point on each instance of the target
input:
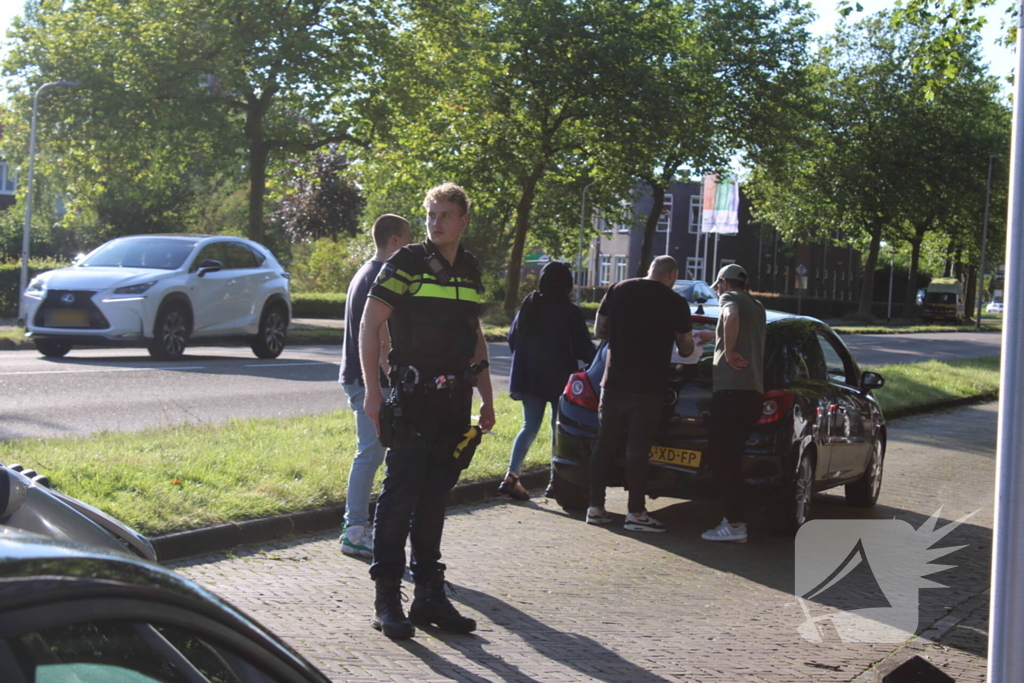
(533, 415)
(368, 458)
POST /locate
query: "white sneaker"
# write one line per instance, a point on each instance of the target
(726, 532)
(642, 522)
(357, 541)
(598, 516)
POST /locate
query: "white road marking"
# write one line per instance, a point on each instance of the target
(74, 372)
(284, 365)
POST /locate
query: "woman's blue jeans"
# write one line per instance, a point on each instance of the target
(533, 415)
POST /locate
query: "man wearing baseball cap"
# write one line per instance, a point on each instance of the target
(738, 397)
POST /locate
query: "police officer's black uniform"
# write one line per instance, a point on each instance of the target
(434, 322)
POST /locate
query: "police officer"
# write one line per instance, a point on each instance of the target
(429, 295)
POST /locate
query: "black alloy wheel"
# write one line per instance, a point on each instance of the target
(790, 513)
(52, 348)
(270, 340)
(863, 493)
(170, 332)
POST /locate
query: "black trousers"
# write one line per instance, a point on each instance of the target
(418, 474)
(733, 416)
(628, 424)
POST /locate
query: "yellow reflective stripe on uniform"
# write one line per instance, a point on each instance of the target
(429, 289)
(395, 286)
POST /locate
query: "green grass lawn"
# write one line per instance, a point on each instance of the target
(187, 477)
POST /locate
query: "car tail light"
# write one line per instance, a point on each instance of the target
(579, 391)
(776, 404)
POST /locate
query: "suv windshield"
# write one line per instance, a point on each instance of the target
(155, 252)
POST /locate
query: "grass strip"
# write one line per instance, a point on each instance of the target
(187, 477)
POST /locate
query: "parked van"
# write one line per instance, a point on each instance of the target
(944, 301)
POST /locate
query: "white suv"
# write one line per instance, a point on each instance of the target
(161, 291)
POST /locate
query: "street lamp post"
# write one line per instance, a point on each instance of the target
(28, 196)
(884, 244)
(984, 241)
(579, 251)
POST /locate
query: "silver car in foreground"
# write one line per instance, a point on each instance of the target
(27, 503)
(162, 291)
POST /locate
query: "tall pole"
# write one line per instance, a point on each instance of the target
(579, 251)
(888, 315)
(28, 198)
(1006, 618)
(984, 241)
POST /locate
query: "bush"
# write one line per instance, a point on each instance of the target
(326, 265)
(329, 305)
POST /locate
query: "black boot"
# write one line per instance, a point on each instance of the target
(430, 605)
(388, 616)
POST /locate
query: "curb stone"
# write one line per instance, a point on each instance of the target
(181, 544)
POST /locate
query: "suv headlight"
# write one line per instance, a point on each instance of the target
(135, 289)
(35, 288)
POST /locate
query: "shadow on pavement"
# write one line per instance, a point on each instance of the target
(574, 651)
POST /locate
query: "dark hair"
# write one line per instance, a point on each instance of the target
(386, 227)
(736, 284)
(554, 288)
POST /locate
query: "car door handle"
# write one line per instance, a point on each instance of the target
(232, 282)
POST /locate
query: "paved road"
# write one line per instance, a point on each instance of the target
(557, 600)
(124, 389)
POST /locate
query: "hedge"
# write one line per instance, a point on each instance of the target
(10, 282)
(329, 306)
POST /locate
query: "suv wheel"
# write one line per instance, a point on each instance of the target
(170, 332)
(863, 493)
(52, 348)
(794, 509)
(269, 341)
(568, 495)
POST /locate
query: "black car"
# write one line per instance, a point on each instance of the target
(69, 612)
(820, 427)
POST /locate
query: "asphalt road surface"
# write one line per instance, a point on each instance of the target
(125, 390)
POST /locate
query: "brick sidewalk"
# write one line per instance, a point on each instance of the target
(558, 600)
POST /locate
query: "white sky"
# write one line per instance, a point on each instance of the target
(999, 58)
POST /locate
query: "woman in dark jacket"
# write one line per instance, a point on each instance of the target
(548, 337)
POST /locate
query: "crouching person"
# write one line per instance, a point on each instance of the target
(429, 296)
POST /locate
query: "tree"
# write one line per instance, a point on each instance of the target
(324, 203)
(866, 162)
(178, 86)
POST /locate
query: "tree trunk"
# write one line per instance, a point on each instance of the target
(258, 156)
(971, 295)
(867, 285)
(910, 296)
(515, 259)
(650, 228)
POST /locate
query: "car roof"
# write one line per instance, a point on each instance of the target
(711, 313)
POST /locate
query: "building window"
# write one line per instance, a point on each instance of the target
(7, 182)
(620, 268)
(694, 267)
(696, 211)
(665, 219)
(605, 270)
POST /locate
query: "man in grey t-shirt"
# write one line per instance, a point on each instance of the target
(738, 397)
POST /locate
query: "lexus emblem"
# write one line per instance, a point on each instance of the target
(68, 298)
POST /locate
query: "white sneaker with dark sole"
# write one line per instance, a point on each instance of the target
(598, 516)
(643, 522)
(726, 532)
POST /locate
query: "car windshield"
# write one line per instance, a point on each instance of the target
(159, 253)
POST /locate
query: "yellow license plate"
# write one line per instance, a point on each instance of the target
(67, 317)
(675, 456)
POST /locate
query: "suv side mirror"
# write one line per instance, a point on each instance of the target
(12, 493)
(701, 299)
(209, 265)
(871, 380)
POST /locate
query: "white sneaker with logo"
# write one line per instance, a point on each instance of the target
(642, 522)
(357, 541)
(726, 532)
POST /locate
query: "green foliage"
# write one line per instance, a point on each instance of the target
(10, 281)
(328, 265)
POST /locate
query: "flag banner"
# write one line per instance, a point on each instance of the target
(721, 206)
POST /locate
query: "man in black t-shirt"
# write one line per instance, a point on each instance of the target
(641, 319)
(390, 233)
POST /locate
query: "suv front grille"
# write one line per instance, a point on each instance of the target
(70, 308)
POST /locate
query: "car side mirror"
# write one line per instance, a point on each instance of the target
(701, 299)
(12, 493)
(700, 308)
(871, 380)
(209, 265)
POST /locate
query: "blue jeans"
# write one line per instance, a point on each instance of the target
(533, 415)
(369, 456)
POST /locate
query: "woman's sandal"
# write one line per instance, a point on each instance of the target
(512, 488)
